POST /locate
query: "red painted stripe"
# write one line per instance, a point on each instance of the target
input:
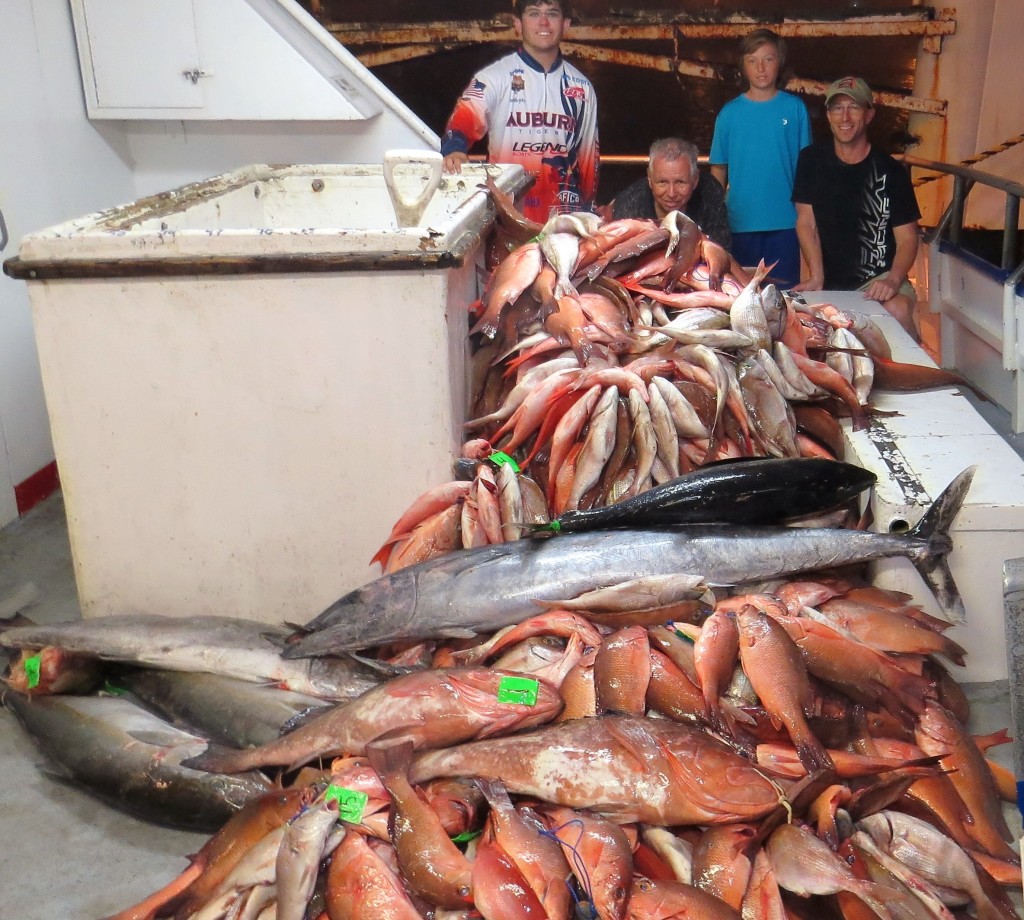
(41, 484)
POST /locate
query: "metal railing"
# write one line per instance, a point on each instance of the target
(1006, 337)
(951, 225)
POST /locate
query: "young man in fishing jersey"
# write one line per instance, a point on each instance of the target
(538, 111)
(856, 211)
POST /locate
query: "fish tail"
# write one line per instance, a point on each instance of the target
(813, 755)
(933, 528)
(952, 650)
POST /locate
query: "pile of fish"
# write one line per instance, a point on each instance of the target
(600, 677)
(612, 356)
(791, 749)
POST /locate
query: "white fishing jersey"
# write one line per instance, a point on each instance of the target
(544, 121)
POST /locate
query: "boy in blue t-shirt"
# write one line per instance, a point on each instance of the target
(758, 136)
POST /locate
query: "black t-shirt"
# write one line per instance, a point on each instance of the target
(856, 207)
(706, 206)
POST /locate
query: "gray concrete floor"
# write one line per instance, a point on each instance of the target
(66, 856)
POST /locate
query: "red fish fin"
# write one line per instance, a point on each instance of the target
(391, 756)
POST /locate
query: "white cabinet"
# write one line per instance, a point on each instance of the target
(138, 56)
(217, 60)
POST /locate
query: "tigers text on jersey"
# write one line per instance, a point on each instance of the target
(544, 121)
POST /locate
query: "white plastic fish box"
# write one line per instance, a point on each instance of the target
(249, 378)
(915, 455)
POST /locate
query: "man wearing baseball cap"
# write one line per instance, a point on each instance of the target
(856, 211)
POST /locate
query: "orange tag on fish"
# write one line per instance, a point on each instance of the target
(351, 802)
(519, 690)
(32, 666)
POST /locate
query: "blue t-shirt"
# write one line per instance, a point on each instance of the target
(759, 143)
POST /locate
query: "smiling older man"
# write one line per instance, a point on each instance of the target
(856, 211)
(674, 183)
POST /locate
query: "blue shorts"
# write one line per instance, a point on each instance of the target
(779, 246)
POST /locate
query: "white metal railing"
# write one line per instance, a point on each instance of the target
(990, 313)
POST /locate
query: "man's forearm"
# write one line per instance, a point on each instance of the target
(810, 249)
(907, 242)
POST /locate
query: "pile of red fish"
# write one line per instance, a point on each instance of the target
(800, 753)
(614, 356)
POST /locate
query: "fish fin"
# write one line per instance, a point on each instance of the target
(298, 631)
(493, 790)
(157, 738)
(636, 741)
(300, 719)
(383, 554)
(384, 667)
(216, 759)
(391, 755)
(59, 774)
(934, 528)
(457, 632)
(276, 639)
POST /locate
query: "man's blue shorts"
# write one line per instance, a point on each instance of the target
(780, 246)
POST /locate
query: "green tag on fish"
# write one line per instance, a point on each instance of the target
(466, 836)
(500, 458)
(521, 690)
(32, 670)
(112, 689)
(555, 525)
(683, 636)
(351, 803)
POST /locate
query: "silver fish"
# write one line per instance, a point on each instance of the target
(768, 409)
(840, 361)
(773, 302)
(713, 338)
(747, 316)
(299, 855)
(561, 251)
(244, 649)
(484, 589)
(928, 852)
(582, 223)
(234, 712)
(510, 501)
(132, 760)
(784, 359)
(886, 868)
(665, 432)
(783, 385)
(862, 366)
(684, 416)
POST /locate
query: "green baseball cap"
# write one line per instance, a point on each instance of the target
(854, 87)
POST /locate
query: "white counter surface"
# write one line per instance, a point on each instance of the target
(915, 455)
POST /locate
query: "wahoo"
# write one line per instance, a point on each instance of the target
(486, 588)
